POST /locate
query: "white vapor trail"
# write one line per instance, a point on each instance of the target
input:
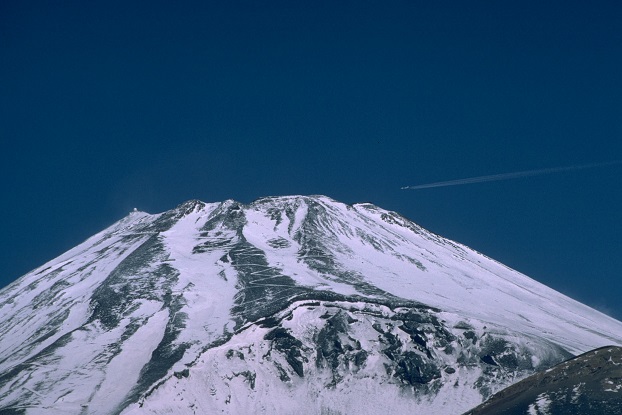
(508, 176)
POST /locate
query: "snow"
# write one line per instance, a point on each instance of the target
(613, 386)
(216, 384)
(541, 406)
(457, 276)
(361, 246)
(123, 370)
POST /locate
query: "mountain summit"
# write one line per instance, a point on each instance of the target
(287, 305)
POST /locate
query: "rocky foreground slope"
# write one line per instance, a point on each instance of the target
(588, 384)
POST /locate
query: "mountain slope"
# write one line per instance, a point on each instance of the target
(314, 294)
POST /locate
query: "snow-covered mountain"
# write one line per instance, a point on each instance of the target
(287, 305)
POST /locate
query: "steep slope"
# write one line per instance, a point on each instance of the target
(285, 298)
(588, 384)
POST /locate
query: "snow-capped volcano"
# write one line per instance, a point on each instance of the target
(287, 305)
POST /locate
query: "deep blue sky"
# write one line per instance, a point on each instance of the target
(107, 106)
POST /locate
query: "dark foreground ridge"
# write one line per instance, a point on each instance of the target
(590, 384)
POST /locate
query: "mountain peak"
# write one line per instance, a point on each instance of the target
(189, 206)
(303, 297)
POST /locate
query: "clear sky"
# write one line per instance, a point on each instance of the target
(110, 105)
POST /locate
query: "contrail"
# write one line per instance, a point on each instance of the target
(508, 176)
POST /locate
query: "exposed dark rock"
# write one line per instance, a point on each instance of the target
(234, 353)
(413, 369)
(489, 360)
(249, 376)
(285, 343)
(182, 374)
(471, 336)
